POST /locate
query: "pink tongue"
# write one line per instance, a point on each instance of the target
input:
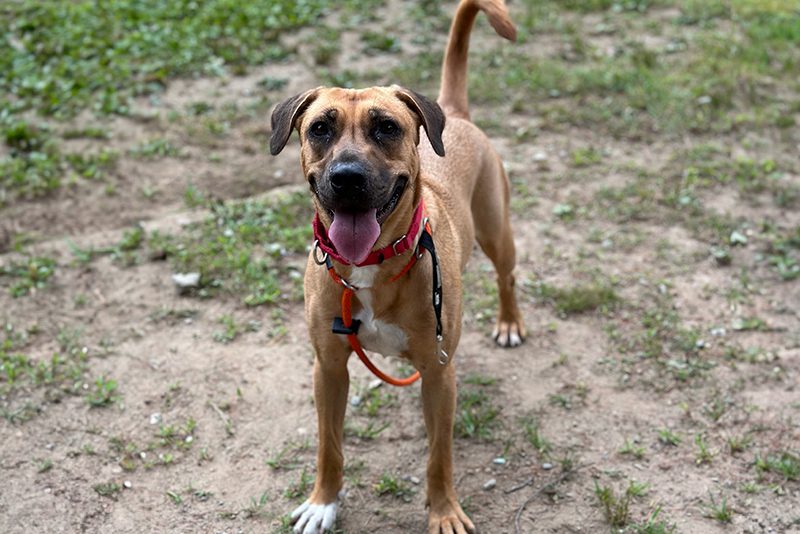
(354, 234)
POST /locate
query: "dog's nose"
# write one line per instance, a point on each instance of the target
(348, 177)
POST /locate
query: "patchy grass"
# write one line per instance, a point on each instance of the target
(578, 299)
(239, 248)
(107, 60)
(29, 275)
(476, 414)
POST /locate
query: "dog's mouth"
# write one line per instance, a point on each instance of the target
(354, 232)
(397, 193)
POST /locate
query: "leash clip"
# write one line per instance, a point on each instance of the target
(443, 356)
(419, 251)
(316, 257)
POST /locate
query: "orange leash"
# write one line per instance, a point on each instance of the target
(347, 319)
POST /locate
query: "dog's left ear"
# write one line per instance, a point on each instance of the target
(284, 118)
(430, 114)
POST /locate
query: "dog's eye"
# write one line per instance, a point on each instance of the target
(387, 127)
(320, 129)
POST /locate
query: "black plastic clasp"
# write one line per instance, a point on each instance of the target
(340, 328)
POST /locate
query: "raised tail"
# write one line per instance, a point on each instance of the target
(453, 93)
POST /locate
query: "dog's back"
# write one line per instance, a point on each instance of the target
(467, 181)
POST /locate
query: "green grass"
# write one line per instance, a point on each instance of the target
(712, 83)
(103, 56)
(238, 249)
(784, 463)
(390, 485)
(103, 394)
(476, 414)
(578, 299)
(29, 383)
(27, 276)
(719, 510)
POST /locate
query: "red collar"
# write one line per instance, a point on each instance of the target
(375, 257)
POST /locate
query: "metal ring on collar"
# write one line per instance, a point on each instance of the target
(316, 257)
(394, 245)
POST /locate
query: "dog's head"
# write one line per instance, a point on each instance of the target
(359, 155)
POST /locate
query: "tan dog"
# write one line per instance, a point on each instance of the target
(368, 170)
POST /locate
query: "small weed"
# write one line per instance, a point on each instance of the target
(28, 276)
(718, 510)
(738, 444)
(375, 399)
(107, 489)
(616, 508)
(43, 466)
(257, 506)
(629, 448)
(533, 435)
(476, 414)
(175, 497)
(103, 394)
(652, 525)
(394, 487)
(368, 432)
(299, 489)
(704, 454)
(786, 464)
(287, 457)
(668, 437)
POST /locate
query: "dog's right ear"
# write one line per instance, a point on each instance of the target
(284, 118)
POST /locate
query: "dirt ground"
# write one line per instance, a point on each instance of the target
(575, 409)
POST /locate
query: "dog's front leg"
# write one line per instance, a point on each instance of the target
(331, 384)
(439, 404)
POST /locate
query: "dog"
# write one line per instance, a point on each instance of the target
(396, 218)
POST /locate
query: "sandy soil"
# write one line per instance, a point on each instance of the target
(251, 398)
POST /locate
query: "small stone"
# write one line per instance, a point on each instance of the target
(156, 419)
(355, 400)
(186, 281)
(547, 466)
(375, 384)
(127, 484)
(489, 484)
(704, 100)
(414, 480)
(540, 156)
(499, 461)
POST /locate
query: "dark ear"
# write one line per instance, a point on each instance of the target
(284, 118)
(430, 115)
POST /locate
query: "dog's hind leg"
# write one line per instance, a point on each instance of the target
(490, 212)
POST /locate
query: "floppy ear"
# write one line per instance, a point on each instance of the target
(430, 114)
(284, 118)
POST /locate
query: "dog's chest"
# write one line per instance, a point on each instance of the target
(374, 334)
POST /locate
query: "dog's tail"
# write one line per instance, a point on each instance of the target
(453, 93)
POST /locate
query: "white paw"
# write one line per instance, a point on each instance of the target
(507, 336)
(314, 518)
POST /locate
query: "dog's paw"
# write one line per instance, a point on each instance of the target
(314, 518)
(454, 521)
(509, 334)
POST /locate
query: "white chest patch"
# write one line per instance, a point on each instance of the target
(373, 334)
